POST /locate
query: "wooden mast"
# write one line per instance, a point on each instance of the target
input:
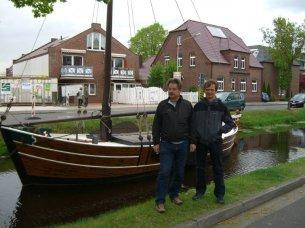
(106, 124)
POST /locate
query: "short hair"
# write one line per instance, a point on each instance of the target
(209, 83)
(174, 81)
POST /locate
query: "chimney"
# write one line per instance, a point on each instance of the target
(53, 39)
(96, 25)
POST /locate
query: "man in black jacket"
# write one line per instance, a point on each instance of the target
(171, 132)
(207, 130)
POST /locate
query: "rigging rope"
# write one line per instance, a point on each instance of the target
(179, 11)
(152, 8)
(134, 27)
(196, 11)
(129, 18)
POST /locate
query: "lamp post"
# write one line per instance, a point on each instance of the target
(178, 48)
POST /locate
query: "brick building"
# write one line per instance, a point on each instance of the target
(205, 51)
(269, 75)
(79, 62)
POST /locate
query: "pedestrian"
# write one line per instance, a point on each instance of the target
(207, 130)
(80, 97)
(171, 132)
(67, 99)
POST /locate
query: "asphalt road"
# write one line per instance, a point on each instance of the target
(20, 116)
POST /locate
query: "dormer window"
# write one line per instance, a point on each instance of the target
(243, 63)
(96, 41)
(179, 40)
(235, 62)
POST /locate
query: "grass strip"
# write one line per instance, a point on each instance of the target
(237, 188)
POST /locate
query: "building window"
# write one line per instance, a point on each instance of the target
(72, 60)
(179, 60)
(179, 40)
(192, 60)
(243, 85)
(243, 63)
(166, 59)
(92, 89)
(117, 63)
(220, 84)
(233, 84)
(201, 80)
(254, 86)
(236, 62)
(96, 41)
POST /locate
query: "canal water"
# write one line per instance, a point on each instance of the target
(39, 206)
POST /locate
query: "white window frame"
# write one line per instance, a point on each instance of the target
(89, 89)
(166, 59)
(113, 62)
(233, 84)
(254, 86)
(192, 60)
(72, 59)
(235, 62)
(243, 63)
(220, 84)
(179, 61)
(179, 39)
(92, 41)
(243, 85)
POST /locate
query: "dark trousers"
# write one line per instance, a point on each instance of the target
(171, 173)
(215, 149)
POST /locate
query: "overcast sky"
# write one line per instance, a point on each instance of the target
(18, 27)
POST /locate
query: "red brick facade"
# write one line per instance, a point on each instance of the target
(224, 69)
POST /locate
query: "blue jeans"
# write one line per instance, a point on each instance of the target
(171, 173)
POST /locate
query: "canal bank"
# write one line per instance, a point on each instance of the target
(239, 189)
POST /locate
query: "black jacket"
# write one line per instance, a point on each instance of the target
(207, 121)
(171, 123)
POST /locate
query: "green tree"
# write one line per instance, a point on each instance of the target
(168, 70)
(156, 75)
(41, 8)
(268, 90)
(285, 41)
(148, 41)
(264, 89)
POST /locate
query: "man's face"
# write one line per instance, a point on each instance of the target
(210, 92)
(173, 91)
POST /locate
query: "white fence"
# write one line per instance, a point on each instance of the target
(151, 95)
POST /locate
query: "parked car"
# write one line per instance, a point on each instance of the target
(297, 101)
(265, 97)
(233, 100)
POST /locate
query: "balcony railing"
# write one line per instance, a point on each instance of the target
(77, 71)
(122, 74)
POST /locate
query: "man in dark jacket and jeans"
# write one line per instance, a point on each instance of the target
(171, 132)
(207, 129)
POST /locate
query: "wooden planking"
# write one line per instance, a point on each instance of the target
(43, 168)
(87, 148)
(75, 158)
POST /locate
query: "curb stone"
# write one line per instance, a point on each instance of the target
(232, 210)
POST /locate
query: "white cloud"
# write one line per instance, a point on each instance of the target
(19, 28)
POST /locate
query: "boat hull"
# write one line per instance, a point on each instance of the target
(50, 160)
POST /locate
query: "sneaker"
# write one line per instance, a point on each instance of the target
(197, 196)
(160, 208)
(177, 201)
(220, 200)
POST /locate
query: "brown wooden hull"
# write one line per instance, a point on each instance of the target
(47, 160)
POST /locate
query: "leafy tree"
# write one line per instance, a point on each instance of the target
(268, 90)
(41, 8)
(148, 41)
(285, 41)
(264, 89)
(155, 75)
(168, 70)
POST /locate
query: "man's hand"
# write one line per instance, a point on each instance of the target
(192, 147)
(157, 148)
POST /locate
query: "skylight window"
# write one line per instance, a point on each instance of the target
(217, 32)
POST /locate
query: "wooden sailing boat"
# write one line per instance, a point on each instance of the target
(45, 159)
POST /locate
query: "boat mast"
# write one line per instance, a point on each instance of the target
(106, 123)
